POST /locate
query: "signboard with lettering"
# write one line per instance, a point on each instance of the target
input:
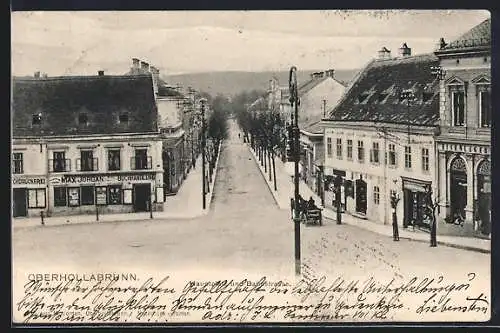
(26, 180)
(74, 196)
(99, 179)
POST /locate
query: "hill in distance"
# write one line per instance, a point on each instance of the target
(230, 83)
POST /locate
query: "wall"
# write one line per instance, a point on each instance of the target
(169, 114)
(311, 103)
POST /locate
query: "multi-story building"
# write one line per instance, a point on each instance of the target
(464, 147)
(379, 139)
(322, 92)
(84, 142)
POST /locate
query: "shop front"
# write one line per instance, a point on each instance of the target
(416, 197)
(107, 193)
(329, 186)
(28, 195)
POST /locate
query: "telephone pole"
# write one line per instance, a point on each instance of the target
(203, 145)
(294, 100)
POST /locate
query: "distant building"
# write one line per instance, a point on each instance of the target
(464, 144)
(85, 141)
(381, 142)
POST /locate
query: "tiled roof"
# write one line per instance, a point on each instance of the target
(309, 85)
(102, 99)
(314, 127)
(165, 91)
(478, 36)
(375, 95)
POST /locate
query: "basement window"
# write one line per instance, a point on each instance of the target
(37, 119)
(123, 118)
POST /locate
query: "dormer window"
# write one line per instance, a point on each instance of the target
(83, 119)
(382, 97)
(427, 96)
(123, 118)
(37, 119)
(362, 97)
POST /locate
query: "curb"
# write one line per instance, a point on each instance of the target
(212, 183)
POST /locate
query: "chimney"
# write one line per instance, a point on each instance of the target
(135, 63)
(144, 66)
(384, 53)
(330, 72)
(100, 73)
(404, 51)
(442, 44)
(44, 75)
(37, 74)
(155, 72)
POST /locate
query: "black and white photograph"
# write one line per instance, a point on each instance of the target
(250, 167)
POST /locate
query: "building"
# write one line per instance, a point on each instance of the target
(464, 143)
(381, 140)
(322, 92)
(82, 143)
(173, 119)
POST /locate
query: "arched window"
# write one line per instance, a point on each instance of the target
(458, 164)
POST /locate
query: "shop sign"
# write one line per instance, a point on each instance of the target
(100, 195)
(28, 180)
(100, 179)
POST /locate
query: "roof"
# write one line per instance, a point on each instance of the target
(313, 126)
(478, 36)
(375, 94)
(165, 91)
(312, 83)
(61, 101)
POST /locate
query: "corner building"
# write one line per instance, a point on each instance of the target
(86, 142)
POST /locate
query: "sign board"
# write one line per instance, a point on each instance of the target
(74, 196)
(28, 180)
(127, 196)
(103, 179)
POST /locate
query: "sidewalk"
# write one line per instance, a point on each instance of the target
(285, 190)
(186, 204)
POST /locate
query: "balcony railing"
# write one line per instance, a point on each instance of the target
(87, 164)
(59, 165)
(141, 163)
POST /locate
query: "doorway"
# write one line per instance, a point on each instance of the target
(458, 188)
(360, 196)
(484, 197)
(142, 192)
(19, 198)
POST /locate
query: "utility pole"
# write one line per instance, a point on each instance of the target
(324, 108)
(294, 100)
(203, 144)
(409, 95)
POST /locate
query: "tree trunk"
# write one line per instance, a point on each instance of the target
(269, 159)
(274, 174)
(265, 159)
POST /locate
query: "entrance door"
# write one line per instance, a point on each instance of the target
(484, 197)
(141, 197)
(19, 198)
(360, 196)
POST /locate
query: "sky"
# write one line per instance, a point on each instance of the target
(176, 42)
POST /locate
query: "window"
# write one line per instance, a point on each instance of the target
(349, 149)
(37, 119)
(83, 119)
(36, 198)
(339, 149)
(374, 156)
(408, 157)
(60, 196)
(141, 159)
(123, 118)
(59, 161)
(114, 159)
(458, 108)
(329, 147)
(87, 195)
(376, 195)
(392, 154)
(114, 195)
(87, 160)
(426, 96)
(484, 97)
(361, 152)
(17, 163)
(425, 159)
(382, 97)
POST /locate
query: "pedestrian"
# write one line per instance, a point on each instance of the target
(239, 136)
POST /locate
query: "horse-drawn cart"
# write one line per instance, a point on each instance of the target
(307, 214)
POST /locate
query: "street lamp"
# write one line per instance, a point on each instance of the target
(394, 204)
(409, 96)
(294, 100)
(203, 145)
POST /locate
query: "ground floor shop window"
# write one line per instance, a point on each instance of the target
(87, 195)
(101, 195)
(114, 195)
(74, 196)
(60, 198)
(36, 198)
